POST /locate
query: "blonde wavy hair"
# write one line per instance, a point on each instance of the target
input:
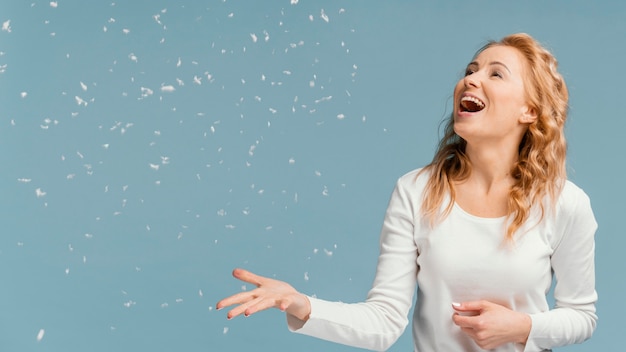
(540, 168)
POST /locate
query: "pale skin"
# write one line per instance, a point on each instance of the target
(493, 135)
(269, 293)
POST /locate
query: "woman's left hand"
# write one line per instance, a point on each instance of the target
(491, 325)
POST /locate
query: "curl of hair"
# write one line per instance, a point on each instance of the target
(540, 169)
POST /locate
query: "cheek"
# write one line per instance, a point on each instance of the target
(457, 90)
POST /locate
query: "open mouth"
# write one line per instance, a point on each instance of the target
(471, 104)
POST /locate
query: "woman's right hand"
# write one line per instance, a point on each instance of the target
(269, 293)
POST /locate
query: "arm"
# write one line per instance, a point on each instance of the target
(573, 318)
(374, 324)
(378, 322)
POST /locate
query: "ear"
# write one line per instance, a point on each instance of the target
(529, 115)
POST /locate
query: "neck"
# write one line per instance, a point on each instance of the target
(491, 166)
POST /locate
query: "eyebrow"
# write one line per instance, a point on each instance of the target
(474, 63)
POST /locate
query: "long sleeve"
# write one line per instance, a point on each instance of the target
(573, 318)
(379, 321)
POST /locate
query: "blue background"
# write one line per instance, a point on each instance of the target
(150, 147)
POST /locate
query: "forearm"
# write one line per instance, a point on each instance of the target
(363, 325)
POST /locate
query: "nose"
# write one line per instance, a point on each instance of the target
(471, 81)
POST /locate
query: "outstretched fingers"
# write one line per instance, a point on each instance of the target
(269, 293)
(239, 298)
(251, 305)
(247, 276)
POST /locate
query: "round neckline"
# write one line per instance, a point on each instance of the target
(476, 217)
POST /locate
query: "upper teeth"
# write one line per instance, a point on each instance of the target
(474, 100)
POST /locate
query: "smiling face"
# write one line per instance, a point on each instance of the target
(490, 101)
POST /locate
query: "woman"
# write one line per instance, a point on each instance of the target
(480, 229)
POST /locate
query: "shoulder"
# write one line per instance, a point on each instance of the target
(411, 185)
(574, 206)
(572, 197)
(414, 178)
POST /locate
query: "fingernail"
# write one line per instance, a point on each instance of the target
(456, 304)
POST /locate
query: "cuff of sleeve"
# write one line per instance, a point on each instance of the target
(533, 344)
(296, 325)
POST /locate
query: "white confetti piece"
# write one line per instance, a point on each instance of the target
(54, 4)
(6, 26)
(39, 193)
(146, 92)
(40, 334)
(80, 101)
(324, 16)
(168, 88)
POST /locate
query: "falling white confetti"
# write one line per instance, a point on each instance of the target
(6, 26)
(80, 101)
(225, 331)
(40, 334)
(54, 4)
(39, 193)
(324, 16)
(168, 88)
(146, 92)
(294, 2)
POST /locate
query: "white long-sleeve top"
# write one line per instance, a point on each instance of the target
(466, 258)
